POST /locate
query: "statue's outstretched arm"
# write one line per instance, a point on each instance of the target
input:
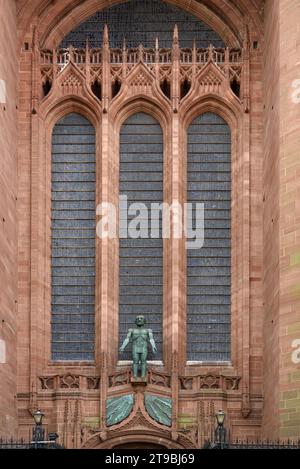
(126, 341)
(152, 341)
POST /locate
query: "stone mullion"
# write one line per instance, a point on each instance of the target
(103, 311)
(177, 246)
(36, 231)
(105, 196)
(236, 254)
(98, 251)
(245, 235)
(101, 195)
(167, 255)
(102, 334)
(246, 259)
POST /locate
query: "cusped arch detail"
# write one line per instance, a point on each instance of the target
(140, 103)
(62, 106)
(70, 87)
(229, 110)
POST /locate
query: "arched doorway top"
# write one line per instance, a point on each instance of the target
(139, 439)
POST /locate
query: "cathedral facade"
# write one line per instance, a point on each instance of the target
(114, 114)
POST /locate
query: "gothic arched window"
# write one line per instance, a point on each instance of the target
(141, 259)
(209, 268)
(73, 239)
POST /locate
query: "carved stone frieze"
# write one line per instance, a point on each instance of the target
(155, 378)
(209, 381)
(208, 71)
(47, 382)
(68, 381)
(159, 379)
(120, 378)
(93, 382)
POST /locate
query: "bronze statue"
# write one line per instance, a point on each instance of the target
(139, 338)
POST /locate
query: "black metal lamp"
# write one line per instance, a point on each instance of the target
(220, 417)
(220, 432)
(38, 432)
(38, 417)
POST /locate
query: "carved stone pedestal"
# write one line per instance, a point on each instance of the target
(139, 384)
(137, 381)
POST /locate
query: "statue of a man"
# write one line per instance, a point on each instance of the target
(139, 338)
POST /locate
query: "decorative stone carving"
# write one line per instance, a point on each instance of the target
(93, 382)
(47, 382)
(156, 378)
(159, 379)
(186, 72)
(71, 83)
(186, 383)
(246, 404)
(69, 382)
(232, 383)
(119, 379)
(210, 81)
(142, 69)
(141, 80)
(210, 381)
(118, 409)
(159, 408)
(96, 74)
(86, 433)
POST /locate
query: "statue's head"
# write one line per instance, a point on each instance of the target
(140, 320)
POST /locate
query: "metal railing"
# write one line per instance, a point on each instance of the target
(252, 444)
(22, 444)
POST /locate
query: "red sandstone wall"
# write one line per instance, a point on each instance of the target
(256, 232)
(282, 220)
(8, 230)
(271, 217)
(281, 239)
(32, 356)
(289, 202)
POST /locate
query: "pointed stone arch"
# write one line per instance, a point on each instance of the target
(54, 21)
